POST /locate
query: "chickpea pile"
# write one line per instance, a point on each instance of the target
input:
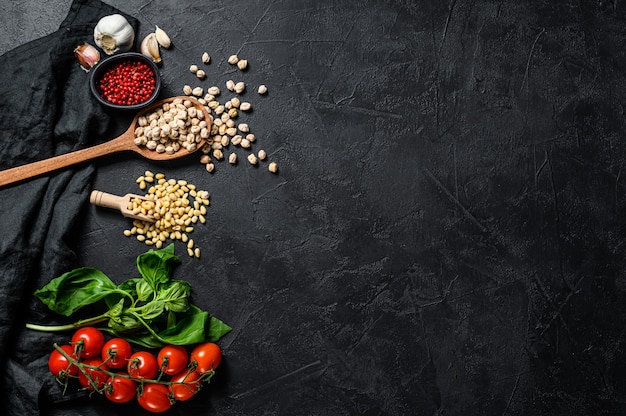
(171, 127)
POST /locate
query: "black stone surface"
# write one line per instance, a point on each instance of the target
(446, 232)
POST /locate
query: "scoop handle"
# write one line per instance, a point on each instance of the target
(103, 199)
(31, 170)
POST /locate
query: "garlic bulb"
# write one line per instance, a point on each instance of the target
(113, 34)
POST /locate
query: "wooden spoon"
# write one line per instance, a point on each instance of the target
(124, 142)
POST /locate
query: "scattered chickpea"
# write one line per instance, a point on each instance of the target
(214, 91)
(230, 85)
(233, 59)
(193, 69)
(232, 159)
(206, 58)
(198, 91)
(217, 154)
(252, 159)
(242, 64)
(244, 128)
(240, 87)
(251, 137)
(201, 74)
(210, 167)
(273, 167)
(262, 89)
(187, 90)
(261, 154)
(245, 106)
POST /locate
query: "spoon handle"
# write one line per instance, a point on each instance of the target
(31, 170)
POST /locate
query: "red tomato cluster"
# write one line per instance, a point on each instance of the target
(128, 83)
(114, 369)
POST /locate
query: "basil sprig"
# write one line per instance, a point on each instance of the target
(150, 311)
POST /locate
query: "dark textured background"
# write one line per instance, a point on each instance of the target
(446, 233)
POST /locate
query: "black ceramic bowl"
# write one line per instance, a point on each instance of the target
(141, 64)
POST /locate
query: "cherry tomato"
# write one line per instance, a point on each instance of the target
(97, 377)
(155, 398)
(88, 342)
(191, 385)
(172, 359)
(120, 389)
(60, 366)
(143, 364)
(206, 357)
(116, 352)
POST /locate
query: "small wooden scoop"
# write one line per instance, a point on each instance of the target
(125, 142)
(103, 199)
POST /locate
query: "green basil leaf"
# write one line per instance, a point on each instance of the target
(130, 286)
(217, 329)
(73, 290)
(155, 266)
(175, 294)
(171, 319)
(152, 309)
(189, 328)
(123, 323)
(117, 309)
(144, 290)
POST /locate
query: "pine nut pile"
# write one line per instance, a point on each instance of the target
(224, 130)
(176, 205)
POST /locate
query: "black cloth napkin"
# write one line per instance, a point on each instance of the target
(46, 110)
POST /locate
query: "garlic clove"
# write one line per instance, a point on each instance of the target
(162, 37)
(150, 47)
(87, 56)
